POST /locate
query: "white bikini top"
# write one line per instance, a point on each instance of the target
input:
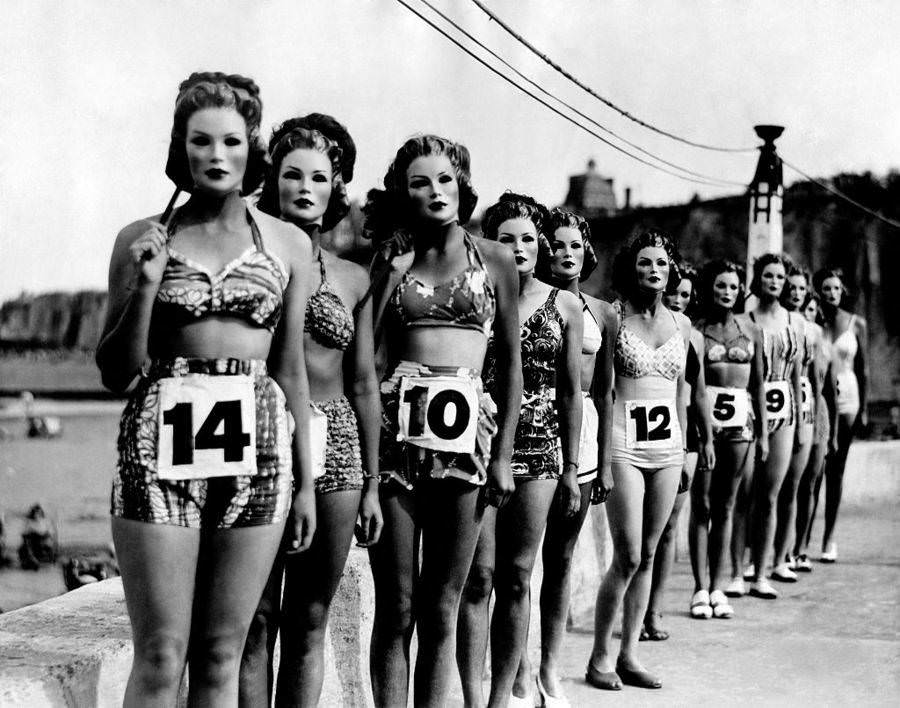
(843, 349)
(592, 337)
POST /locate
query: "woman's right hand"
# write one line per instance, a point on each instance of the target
(500, 484)
(762, 449)
(603, 485)
(149, 254)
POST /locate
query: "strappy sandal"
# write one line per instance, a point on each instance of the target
(700, 608)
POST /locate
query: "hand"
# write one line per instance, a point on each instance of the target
(302, 522)
(500, 484)
(569, 495)
(762, 448)
(371, 521)
(862, 421)
(833, 442)
(709, 455)
(149, 254)
(685, 483)
(603, 485)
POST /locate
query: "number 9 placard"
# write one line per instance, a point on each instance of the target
(651, 424)
(207, 427)
(778, 401)
(438, 413)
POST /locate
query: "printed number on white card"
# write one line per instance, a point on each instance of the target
(778, 400)
(318, 440)
(207, 427)
(651, 424)
(438, 413)
(728, 407)
(806, 395)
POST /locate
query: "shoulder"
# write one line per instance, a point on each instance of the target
(495, 254)
(696, 338)
(568, 303)
(132, 231)
(287, 241)
(684, 324)
(747, 324)
(349, 273)
(860, 323)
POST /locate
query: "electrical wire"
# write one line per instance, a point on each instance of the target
(547, 105)
(535, 84)
(596, 95)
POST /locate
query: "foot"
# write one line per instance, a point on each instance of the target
(720, 607)
(736, 588)
(651, 628)
(803, 564)
(526, 701)
(783, 574)
(700, 607)
(750, 572)
(604, 680)
(636, 676)
(829, 555)
(763, 589)
(545, 699)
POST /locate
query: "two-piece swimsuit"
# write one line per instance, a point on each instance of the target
(646, 431)
(207, 442)
(330, 324)
(843, 355)
(781, 349)
(437, 421)
(589, 446)
(731, 411)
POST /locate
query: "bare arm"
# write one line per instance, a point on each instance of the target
(700, 403)
(861, 367)
(681, 396)
(568, 394)
(603, 397)
(757, 388)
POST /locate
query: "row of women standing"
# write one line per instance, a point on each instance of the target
(258, 438)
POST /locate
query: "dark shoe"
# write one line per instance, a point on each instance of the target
(640, 679)
(604, 680)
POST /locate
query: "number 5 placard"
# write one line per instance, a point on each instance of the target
(651, 424)
(207, 427)
(438, 413)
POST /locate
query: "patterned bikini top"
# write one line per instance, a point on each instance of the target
(592, 339)
(781, 349)
(328, 321)
(736, 350)
(250, 287)
(466, 301)
(634, 358)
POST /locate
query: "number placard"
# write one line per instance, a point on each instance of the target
(207, 427)
(778, 401)
(438, 412)
(318, 439)
(728, 407)
(806, 401)
(651, 424)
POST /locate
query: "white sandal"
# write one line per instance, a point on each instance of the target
(721, 609)
(700, 608)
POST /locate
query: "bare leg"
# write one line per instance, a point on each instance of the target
(451, 515)
(234, 567)
(769, 478)
(474, 614)
(816, 494)
(256, 681)
(311, 580)
(807, 497)
(834, 477)
(158, 563)
(734, 464)
(520, 525)
(740, 522)
(698, 528)
(395, 569)
(787, 502)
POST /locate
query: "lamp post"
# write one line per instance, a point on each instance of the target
(765, 234)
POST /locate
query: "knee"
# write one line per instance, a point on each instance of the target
(394, 612)
(514, 583)
(159, 662)
(628, 562)
(215, 660)
(479, 584)
(263, 627)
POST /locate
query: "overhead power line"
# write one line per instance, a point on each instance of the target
(596, 95)
(838, 193)
(551, 107)
(535, 84)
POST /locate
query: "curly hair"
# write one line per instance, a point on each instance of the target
(215, 89)
(562, 219)
(759, 265)
(519, 206)
(624, 281)
(294, 134)
(386, 210)
(707, 281)
(688, 272)
(793, 271)
(824, 274)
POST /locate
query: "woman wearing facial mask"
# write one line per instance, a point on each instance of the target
(312, 160)
(849, 340)
(794, 298)
(783, 341)
(734, 368)
(445, 446)
(648, 443)
(811, 481)
(699, 433)
(215, 301)
(544, 460)
(572, 262)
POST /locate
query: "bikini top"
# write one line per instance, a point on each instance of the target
(844, 348)
(736, 350)
(250, 287)
(781, 349)
(466, 301)
(593, 337)
(634, 358)
(328, 321)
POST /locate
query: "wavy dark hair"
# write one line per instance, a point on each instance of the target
(214, 89)
(824, 274)
(688, 272)
(386, 210)
(759, 265)
(294, 134)
(562, 219)
(707, 281)
(624, 281)
(793, 271)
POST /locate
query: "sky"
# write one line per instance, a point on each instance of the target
(88, 89)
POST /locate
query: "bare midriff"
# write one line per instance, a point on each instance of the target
(728, 374)
(441, 346)
(211, 337)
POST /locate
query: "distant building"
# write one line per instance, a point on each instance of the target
(591, 194)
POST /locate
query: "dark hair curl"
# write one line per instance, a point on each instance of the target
(688, 272)
(215, 89)
(511, 205)
(562, 219)
(824, 274)
(792, 271)
(759, 265)
(294, 134)
(386, 210)
(624, 281)
(707, 282)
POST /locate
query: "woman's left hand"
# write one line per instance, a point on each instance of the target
(709, 455)
(371, 521)
(302, 522)
(569, 494)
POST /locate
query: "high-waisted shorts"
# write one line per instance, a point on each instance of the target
(404, 463)
(343, 461)
(589, 450)
(537, 453)
(139, 494)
